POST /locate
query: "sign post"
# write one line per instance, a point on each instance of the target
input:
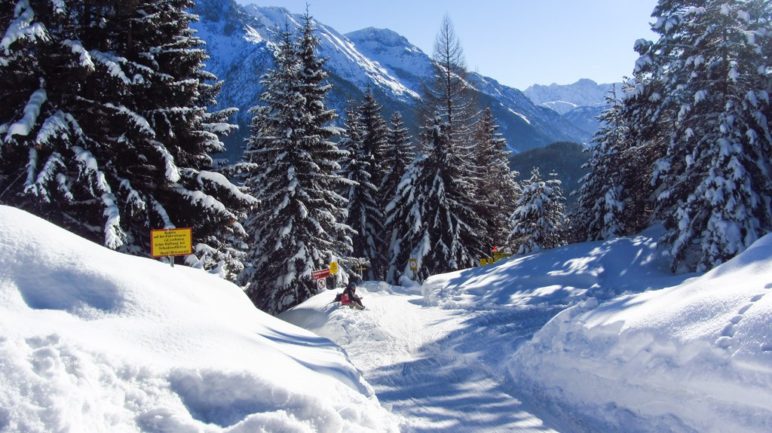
(171, 243)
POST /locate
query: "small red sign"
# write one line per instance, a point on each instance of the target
(318, 275)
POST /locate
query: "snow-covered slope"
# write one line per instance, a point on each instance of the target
(696, 357)
(620, 352)
(95, 341)
(437, 354)
(241, 40)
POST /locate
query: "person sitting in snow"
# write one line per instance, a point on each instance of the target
(350, 298)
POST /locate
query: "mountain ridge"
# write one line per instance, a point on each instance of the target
(241, 39)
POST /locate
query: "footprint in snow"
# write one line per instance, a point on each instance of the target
(725, 340)
(728, 330)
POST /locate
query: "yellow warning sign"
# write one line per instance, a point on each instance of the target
(171, 242)
(334, 268)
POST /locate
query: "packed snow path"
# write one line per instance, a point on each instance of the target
(440, 355)
(426, 363)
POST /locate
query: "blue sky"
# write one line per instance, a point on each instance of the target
(517, 42)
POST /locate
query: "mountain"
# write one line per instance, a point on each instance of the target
(241, 41)
(579, 103)
(524, 124)
(564, 98)
(586, 119)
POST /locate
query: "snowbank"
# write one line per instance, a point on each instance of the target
(93, 340)
(557, 278)
(696, 357)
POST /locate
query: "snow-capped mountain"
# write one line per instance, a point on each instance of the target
(579, 103)
(586, 119)
(241, 39)
(524, 124)
(564, 98)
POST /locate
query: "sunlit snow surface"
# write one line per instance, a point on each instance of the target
(96, 341)
(457, 354)
(594, 337)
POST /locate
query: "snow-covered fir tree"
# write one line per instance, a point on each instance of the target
(601, 209)
(645, 115)
(364, 214)
(496, 188)
(537, 222)
(300, 224)
(434, 220)
(374, 136)
(104, 125)
(714, 186)
(437, 223)
(397, 156)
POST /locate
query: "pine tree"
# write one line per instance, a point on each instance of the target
(441, 228)
(497, 188)
(714, 181)
(537, 222)
(375, 135)
(645, 116)
(299, 226)
(448, 93)
(105, 129)
(364, 214)
(601, 209)
(434, 219)
(398, 155)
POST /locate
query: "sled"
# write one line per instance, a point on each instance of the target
(344, 300)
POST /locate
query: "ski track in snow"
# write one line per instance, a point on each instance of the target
(428, 364)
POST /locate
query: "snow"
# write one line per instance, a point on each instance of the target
(93, 340)
(251, 35)
(220, 181)
(53, 126)
(112, 63)
(693, 357)
(591, 337)
(22, 27)
(522, 116)
(77, 48)
(31, 111)
(459, 354)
